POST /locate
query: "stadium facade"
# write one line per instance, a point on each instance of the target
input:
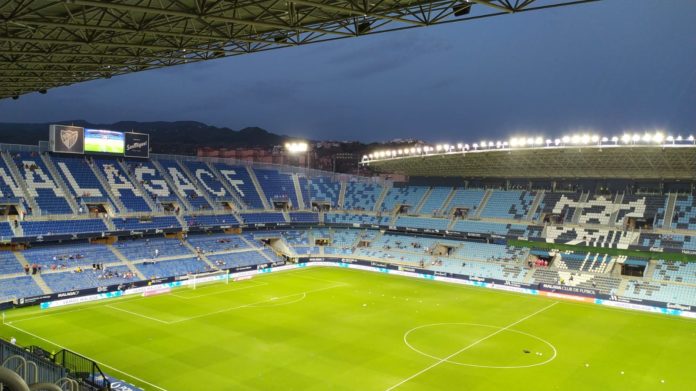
(79, 223)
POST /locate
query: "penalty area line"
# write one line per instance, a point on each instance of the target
(98, 362)
(471, 345)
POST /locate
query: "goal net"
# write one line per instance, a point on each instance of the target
(195, 280)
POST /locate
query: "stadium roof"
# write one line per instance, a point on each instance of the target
(611, 161)
(47, 44)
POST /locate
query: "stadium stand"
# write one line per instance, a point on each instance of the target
(323, 189)
(184, 185)
(361, 196)
(40, 184)
(121, 186)
(277, 186)
(508, 204)
(403, 196)
(684, 213)
(239, 179)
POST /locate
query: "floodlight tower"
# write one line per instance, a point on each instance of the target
(297, 148)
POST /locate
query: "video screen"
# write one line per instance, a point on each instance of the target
(104, 141)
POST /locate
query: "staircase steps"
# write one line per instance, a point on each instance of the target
(382, 196)
(669, 211)
(239, 203)
(422, 201)
(107, 188)
(143, 192)
(202, 256)
(444, 208)
(483, 203)
(58, 180)
(170, 182)
(535, 205)
(578, 210)
(617, 201)
(196, 183)
(36, 277)
(298, 191)
(259, 189)
(342, 195)
(127, 262)
(19, 180)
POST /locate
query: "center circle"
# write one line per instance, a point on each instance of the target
(480, 345)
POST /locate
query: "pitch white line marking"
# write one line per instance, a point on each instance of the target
(446, 359)
(252, 304)
(82, 307)
(549, 344)
(136, 314)
(301, 296)
(260, 283)
(100, 363)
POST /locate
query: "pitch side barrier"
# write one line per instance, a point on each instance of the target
(556, 291)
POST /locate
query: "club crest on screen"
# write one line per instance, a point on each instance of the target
(68, 137)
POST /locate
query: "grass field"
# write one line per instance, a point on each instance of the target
(341, 329)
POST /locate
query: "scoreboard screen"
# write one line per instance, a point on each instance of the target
(104, 141)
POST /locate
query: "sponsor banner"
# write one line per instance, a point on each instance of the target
(242, 278)
(568, 289)
(80, 299)
(66, 139)
(137, 145)
(550, 290)
(157, 291)
(114, 383)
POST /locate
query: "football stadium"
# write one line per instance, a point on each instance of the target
(558, 262)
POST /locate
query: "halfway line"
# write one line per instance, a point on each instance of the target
(468, 347)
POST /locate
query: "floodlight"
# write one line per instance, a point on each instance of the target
(475, 146)
(605, 139)
(626, 138)
(691, 138)
(636, 137)
(438, 147)
(585, 138)
(595, 138)
(670, 139)
(538, 141)
(566, 139)
(557, 141)
(679, 138)
(530, 141)
(647, 137)
(460, 146)
(615, 139)
(466, 147)
(658, 137)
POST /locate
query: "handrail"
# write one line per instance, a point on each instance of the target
(12, 380)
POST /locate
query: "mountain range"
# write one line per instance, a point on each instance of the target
(179, 137)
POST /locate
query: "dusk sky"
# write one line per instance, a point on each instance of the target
(610, 66)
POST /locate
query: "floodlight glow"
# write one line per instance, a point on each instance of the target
(670, 139)
(484, 144)
(297, 147)
(605, 139)
(530, 141)
(636, 137)
(413, 150)
(585, 138)
(475, 146)
(566, 139)
(595, 138)
(513, 142)
(538, 141)
(615, 139)
(466, 147)
(626, 138)
(460, 146)
(418, 149)
(557, 141)
(438, 147)
(679, 138)
(647, 137)
(691, 138)
(658, 137)
(575, 139)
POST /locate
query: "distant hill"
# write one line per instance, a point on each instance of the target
(180, 137)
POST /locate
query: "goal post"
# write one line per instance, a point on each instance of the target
(196, 279)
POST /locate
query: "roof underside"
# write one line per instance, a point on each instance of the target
(627, 162)
(46, 44)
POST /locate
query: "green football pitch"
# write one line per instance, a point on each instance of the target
(341, 329)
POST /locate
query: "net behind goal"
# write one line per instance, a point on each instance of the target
(194, 280)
